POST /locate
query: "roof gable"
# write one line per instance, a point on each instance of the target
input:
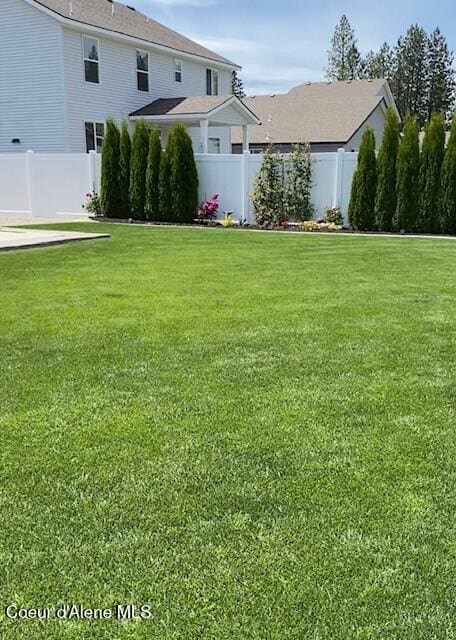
(320, 112)
(124, 20)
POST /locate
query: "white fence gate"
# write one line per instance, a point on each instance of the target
(41, 185)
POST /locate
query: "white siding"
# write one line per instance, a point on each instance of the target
(32, 104)
(116, 96)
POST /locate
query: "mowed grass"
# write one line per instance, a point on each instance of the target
(254, 433)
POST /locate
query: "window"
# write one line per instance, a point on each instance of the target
(91, 59)
(94, 132)
(213, 145)
(212, 88)
(142, 70)
(177, 70)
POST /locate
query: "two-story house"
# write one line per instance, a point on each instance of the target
(68, 65)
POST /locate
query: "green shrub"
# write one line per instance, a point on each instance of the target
(432, 155)
(298, 185)
(385, 199)
(448, 188)
(183, 176)
(407, 177)
(268, 195)
(111, 200)
(333, 215)
(125, 163)
(165, 212)
(139, 153)
(153, 176)
(362, 200)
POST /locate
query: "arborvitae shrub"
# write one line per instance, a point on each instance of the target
(139, 153)
(362, 202)
(153, 176)
(407, 177)
(448, 185)
(165, 209)
(268, 195)
(125, 162)
(111, 201)
(432, 154)
(183, 176)
(385, 200)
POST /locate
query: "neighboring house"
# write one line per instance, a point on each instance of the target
(328, 115)
(68, 65)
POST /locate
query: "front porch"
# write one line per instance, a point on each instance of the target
(200, 114)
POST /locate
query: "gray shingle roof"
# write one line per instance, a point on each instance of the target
(120, 18)
(319, 112)
(181, 106)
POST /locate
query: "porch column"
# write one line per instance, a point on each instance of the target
(245, 139)
(204, 130)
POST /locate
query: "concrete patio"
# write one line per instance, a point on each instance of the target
(11, 238)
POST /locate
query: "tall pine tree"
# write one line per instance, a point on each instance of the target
(361, 211)
(379, 64)
(449, 184)
(237, 85)
(344, 59)
(407, 178)
(385, 200)
(441, 75)
(410, 79)
(432, 153)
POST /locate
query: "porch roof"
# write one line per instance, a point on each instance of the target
(218, 110)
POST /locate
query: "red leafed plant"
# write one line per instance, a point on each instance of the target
(209, 208)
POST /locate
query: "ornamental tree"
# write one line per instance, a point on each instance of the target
(125, 162)
(407, 177)
(432, 154)
(111, 200)
(299, 184)
(385, 199)
(268, 195)
(139, 153)
(449, 184)
(152, 206)
(361, 211)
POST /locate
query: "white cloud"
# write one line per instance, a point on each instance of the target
(229, 45)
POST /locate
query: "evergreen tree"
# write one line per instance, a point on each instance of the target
(183, 176)
(139, 153)
(111, 200)
(410, 79)
(379, 64)
(432, 154)
(448, 189)
(165, 213)
(237, 85)
(407, 177)
(344, 59)
(153, 176)
(268, 194)
(385, 199)
(364, 185)
(299, 184)
(441, 75)
(125, 161)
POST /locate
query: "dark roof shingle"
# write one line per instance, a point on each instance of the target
(125, 20)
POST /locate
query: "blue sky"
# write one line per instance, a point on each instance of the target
(280, 44)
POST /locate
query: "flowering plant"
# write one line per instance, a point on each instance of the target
(93, 204)
(209, 208)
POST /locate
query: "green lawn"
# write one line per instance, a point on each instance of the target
(254, 433)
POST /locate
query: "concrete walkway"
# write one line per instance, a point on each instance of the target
(11, 239)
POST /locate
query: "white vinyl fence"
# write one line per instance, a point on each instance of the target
(46, 184)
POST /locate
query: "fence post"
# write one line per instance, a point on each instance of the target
(29, 177)
(245, 208)
(338, 178)
(92, 171)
